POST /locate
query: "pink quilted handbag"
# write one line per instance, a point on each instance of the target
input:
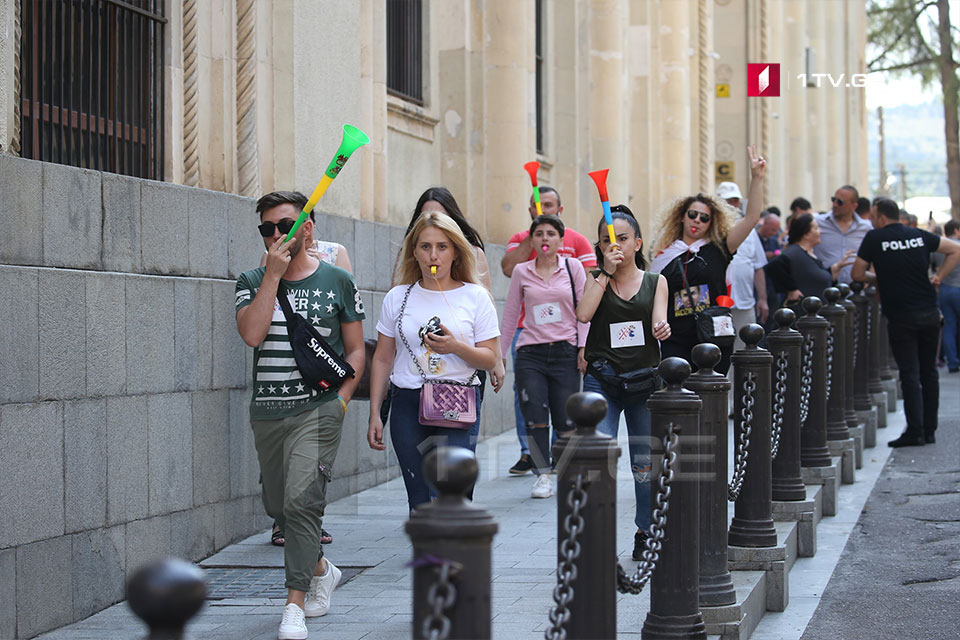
(448, 405)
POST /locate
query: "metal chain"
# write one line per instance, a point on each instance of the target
(567, 569)
(651, 554)
(830, 338)
(743, 442)
(856, 335)
(806, 378)
(441, 596)
(778, 401)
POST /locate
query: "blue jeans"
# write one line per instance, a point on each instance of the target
(412, 441)
(517, 413)
(637, 417)
(950, 308)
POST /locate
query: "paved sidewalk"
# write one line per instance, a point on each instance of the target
(368, 532)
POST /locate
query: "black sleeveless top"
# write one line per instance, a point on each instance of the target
(706, 273)
(618, 326)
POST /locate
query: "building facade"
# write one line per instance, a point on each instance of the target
(251, 95)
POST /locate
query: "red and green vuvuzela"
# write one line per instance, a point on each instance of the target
(532, 168)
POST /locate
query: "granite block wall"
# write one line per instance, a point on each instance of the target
(124, 430)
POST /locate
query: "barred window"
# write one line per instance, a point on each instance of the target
(405, 49)
(91, 84)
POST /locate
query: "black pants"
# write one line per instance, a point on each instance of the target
(913, 341)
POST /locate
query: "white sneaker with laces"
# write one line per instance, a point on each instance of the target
(294, 625)
(318, 597)
(542, 487)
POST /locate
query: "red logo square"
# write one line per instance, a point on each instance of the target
(763, 80)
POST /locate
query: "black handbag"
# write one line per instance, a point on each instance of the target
(638, 382)
(714, 324)
(321, 367)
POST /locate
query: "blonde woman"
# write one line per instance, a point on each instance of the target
(699, 234)
(411, 351)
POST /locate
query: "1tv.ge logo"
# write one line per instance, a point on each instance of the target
(763, 80)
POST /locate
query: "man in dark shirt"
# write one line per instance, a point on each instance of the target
(900, 256)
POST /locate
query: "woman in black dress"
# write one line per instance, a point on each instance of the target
(797, 271)
(699, 236)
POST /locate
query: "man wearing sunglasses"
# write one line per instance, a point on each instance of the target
(841, 231)
(296, 428)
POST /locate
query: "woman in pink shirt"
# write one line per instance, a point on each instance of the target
(550, 349)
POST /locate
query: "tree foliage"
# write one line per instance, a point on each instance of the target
(902, 38)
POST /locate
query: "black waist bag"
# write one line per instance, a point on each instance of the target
(639, 382)
(321, 367)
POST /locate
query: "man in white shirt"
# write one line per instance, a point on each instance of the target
(748, 285)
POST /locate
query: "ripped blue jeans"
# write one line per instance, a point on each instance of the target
(637, 417)
(412, 441)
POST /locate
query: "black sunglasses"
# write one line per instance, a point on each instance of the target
(266, 229)
(837, 200)
(704, 217)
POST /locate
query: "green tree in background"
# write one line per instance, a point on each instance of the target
(915, 36)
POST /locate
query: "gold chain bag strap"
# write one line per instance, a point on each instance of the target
(443, 403)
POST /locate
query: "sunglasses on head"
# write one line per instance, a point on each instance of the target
(704, 217)
(266, 229)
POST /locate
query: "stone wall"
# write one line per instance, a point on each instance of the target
(124, 386)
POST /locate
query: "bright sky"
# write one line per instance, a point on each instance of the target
(890, 92)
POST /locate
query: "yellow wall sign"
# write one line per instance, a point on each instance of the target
(724, 171)
(723, 90)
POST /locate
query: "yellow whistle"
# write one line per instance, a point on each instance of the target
(433, 269)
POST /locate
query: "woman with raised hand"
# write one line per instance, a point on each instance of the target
(437, 326)
(797, 271)
(699, 235)
(627, 311)
(550, 348)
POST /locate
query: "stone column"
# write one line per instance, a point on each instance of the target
(677, 147)
(834, 63)
(795, 94)
(372, 119)
(816, 158)
(607, 108)
(508, 133)
(643, 45)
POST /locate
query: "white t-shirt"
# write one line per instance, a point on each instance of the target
(470, 313)
(748, 258)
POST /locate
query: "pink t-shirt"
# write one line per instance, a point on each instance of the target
(575, 245)
(552, 316)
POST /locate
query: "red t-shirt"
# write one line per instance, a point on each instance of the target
(574, 246)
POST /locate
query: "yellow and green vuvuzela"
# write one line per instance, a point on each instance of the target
(353, 139)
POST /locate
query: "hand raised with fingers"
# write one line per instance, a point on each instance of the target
(758, 164)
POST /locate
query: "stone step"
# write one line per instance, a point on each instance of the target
(829, 478)
(807, 514)
(737, 621)
(774, 561)
(846, 450)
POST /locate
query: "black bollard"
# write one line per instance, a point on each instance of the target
(165, 595)
(451, 540)
(874, 383)
(836, 315)
(716, 584)
(786, 346)
(587, 522)
(813, 432)
(861, 394)
(883, 337)
(851, 341)
(674, 598)
(752, 524)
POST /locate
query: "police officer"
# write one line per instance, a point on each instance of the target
(900, 258)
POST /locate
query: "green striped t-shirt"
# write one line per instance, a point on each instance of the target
(326, 298)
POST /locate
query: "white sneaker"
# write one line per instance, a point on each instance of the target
(542, 487)
(318, 597)
(294, 625)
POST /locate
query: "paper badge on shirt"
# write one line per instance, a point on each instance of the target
(626, 334)
(547, 313)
